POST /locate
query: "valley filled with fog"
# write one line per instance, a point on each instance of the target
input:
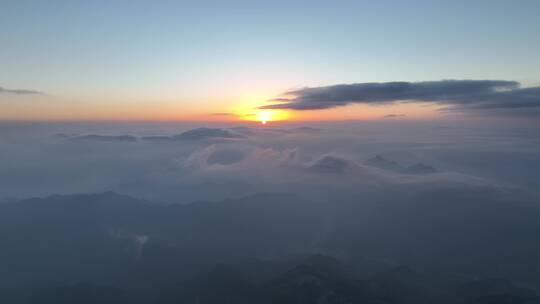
(342, 212)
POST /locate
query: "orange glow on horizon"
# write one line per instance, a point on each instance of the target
(248, 109)
(245, 108)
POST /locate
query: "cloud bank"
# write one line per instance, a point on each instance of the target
(188, 163)
(456, 94)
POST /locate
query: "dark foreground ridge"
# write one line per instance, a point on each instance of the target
(111, 248)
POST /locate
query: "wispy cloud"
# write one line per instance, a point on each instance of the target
(394, 115)
(225, 114)
(457, 94)
(20, 91)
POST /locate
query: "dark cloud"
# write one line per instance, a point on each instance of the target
(20, 91)
(280, 99)
(458, 94)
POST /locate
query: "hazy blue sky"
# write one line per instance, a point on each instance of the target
(218, 52)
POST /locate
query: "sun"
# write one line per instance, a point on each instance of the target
(249, 109)
(265, 116)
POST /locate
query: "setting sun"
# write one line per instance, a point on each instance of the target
(248, 110)
(264, 116)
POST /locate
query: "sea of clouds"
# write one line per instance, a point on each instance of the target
(180, 162)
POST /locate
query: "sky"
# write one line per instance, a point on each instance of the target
(224, 60)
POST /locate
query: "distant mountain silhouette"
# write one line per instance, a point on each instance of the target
(420, 169)
(157, 138)
(193, 134)
(110, 138)
(330, 164)
(204, 133)
(306, 129)
(382, 163)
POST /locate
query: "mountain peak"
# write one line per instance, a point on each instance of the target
(382, 163)
(330, 164)
(420, 168)
(204, 133)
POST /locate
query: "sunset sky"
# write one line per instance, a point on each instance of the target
(224, 60)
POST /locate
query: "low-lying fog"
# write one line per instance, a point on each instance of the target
(180, 163)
